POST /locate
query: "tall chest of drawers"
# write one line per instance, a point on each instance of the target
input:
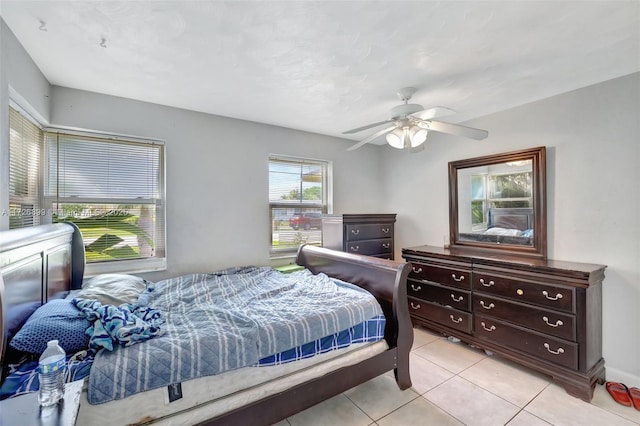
(543, 314)
(369, 234)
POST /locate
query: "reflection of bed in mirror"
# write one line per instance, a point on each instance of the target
(505, 226)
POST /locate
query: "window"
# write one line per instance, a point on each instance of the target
(299, 193)
(113, 189)
(504, 190)
(25, 145)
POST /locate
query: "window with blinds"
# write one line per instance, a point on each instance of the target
(298, 196)
(112, 189)
(25, 145)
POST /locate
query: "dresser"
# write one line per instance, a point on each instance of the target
(543, 314)
(369, 234)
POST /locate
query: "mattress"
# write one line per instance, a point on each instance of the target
(210, 396)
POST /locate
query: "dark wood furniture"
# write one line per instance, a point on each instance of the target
(42, 263)
(368, 234)
(543, 314)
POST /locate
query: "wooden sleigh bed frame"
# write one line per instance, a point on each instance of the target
(43, 263)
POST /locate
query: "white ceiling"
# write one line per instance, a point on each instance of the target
(329, 66)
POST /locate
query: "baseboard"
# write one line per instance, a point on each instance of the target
(615, 375)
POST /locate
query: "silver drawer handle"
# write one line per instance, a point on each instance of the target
(386, 245)
(558, 352)
(453, 297)
(489, 306)
(556, 297)
(416, 287)
(459, 320)
(456, 278)
(352, 248)
(355, 231)
(557, 324)
(489, 329)
(489, 284)
(415, 306)
(416, 270)
(386, 230)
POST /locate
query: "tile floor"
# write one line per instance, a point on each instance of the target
(454, 384)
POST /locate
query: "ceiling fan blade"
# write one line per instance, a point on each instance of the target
(368, 126)
(372, 137)
(427, 114)
(454, 129)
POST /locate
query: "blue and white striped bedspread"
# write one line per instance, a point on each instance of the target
(227, 320)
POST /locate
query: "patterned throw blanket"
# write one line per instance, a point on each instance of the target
(126, 324)
(227, 320)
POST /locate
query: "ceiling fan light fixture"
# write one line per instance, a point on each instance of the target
(396, 138)
(417, 136)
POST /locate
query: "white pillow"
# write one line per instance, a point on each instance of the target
(113, 289)
(503, 231)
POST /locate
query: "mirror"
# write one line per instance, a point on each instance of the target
(497, 203)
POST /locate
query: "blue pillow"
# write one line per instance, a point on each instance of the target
(56, 320)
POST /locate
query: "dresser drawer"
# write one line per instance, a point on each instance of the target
(549, 296)
(546, 321)
(369, 231)
(450, 317)
(447, 296)
(558, 351)
(381, 246)
(455, 277)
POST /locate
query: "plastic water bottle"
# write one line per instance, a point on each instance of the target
(52, 368)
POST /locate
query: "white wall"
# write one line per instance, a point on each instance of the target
(217, 174)
(592, 137)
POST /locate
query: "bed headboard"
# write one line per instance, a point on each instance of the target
(37, 264)
(520, 218)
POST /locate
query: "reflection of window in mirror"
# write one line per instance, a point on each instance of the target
(478, 202)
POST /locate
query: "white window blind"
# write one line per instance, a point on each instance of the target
(112, 189)
(298, 196)
(25, 144)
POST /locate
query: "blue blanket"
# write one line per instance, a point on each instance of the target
(227, 320)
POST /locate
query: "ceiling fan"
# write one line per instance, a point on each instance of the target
(412, 123)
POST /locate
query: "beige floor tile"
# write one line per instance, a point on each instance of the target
(602, 399)
(455, 357)
(506, 380)
(282, 423)
(422, 336)
(426, 375)
(526, 419)
(380, 396)
(338, 410)
(471, 404)
(418, 412)
(559, 408)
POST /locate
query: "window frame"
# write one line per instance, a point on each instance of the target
(137, 265)
(325, 206)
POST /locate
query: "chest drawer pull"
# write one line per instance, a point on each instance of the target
(386, 230)
(416, 270)
(354, 248)
(558, 352)
(355, 231)
(415, 306)
(489, 329)
(456, 278)
(489, 284)
(557, 324)
(386, 245)
(556, 297)
(416, 287)
(459, 299)
(457, 321)
(489, 306)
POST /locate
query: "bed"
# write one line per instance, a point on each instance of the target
(41, 265)
(505, 226)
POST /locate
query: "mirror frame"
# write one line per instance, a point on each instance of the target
(539, 194)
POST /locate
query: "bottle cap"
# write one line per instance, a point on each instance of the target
(52, 343)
